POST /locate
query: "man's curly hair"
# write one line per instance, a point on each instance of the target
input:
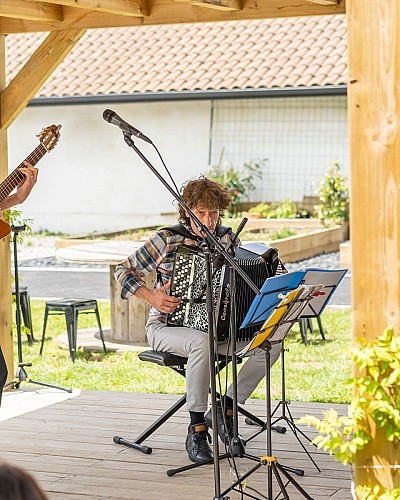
(204, 193)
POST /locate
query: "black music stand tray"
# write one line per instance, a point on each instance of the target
(330, 280)
(272, 332)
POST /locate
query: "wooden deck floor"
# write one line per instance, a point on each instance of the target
(69, 448)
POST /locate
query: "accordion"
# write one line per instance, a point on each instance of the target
(257, 260)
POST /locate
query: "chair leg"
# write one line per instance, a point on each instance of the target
(46, 313)
(69, 319)
(321, 330)
(75, 330)
(303, 330)
(152, 428)
(96, 310)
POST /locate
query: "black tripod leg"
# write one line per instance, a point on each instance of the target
(279, 481)
(240, 479)
(253, 420)
(45, 384)
(172, 472)
(281, 468)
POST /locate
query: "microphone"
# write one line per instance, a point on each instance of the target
(112, 117)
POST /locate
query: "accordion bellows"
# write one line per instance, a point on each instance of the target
(257, 260)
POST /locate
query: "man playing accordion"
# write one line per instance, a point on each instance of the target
(208, 200)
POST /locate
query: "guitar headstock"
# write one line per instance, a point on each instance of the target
(49, 136)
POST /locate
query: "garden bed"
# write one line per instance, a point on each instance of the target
(313, 239)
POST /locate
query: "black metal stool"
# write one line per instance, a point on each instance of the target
(26, 310)
(71, 308)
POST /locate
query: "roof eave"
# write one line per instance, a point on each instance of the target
(192, 95)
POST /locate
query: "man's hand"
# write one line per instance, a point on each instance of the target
(25, 187)
(158, 298)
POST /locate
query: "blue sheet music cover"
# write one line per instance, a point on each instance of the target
(268, 299)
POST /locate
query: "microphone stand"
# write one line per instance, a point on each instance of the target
(21, 374)
(209, 242)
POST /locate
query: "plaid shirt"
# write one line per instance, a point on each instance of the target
(157, 253)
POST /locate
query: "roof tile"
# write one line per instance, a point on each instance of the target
(268, 53)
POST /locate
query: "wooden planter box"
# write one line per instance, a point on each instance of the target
(305, 246)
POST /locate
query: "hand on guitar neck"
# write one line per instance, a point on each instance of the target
(24, 177)
(30, 174)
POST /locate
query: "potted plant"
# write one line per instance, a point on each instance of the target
(373, 414)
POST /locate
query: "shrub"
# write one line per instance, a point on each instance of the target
(239, 182)
(334, 196)
(285, 210)
(375, 407)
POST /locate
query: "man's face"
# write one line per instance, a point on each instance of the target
(207, 216)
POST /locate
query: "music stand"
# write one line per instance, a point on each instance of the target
(268, 299)
(330, 280)
(273, 331)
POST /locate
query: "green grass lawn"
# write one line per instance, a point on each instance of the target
(316, 372)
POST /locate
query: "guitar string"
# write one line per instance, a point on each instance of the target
(16, 176)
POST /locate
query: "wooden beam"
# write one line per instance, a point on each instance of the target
(119, 7)
(31, 10)
(31, 77)
(227, 5)
(374, 126)
(170, 12)
(6, 340)
(325, 2)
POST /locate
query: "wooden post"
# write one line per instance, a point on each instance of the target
(6, 341)
(374, 120)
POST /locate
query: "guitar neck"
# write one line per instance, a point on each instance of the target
(12, 181)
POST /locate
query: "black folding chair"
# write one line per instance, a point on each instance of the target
(178, 364)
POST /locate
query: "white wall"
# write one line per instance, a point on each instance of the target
(92, 181)
(299, 136)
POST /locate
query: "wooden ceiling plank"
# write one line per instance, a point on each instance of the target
(35, 72)
(118, 7)
(226, 5)
(325, 2)
(169, 12)
(31, 10)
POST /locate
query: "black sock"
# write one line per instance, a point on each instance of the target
(196, 417)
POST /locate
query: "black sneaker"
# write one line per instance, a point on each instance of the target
(197, 443)
(225, 434)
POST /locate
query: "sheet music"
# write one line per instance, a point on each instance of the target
(330, 278)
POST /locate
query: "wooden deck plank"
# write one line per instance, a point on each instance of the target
(69, 448)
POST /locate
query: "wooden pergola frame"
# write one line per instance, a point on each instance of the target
(374, 121)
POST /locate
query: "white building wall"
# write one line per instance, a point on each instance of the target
(92, 181)
(298, 136)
